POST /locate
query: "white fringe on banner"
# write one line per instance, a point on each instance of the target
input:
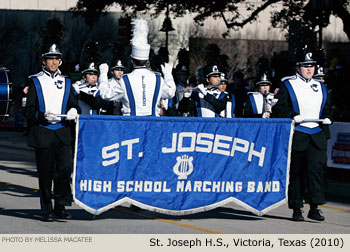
(188, 211)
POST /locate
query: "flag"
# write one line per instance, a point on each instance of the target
(177, 165)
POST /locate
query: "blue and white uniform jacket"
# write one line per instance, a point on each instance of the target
(90, 89)
(214, 104)
(256, 104)
(139, 91)
(52, 93)
(308, 98)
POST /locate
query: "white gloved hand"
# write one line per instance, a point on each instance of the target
(327, 121)
(76, 86)
(103, 68)
(72, 114)
(298, 118)
(266, 115)
(202, 89)
(187, 93)
(51, 117)
(103, 77)
(167, 69)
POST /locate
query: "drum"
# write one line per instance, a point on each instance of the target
(4, 94)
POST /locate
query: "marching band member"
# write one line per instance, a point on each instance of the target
(87, 89)
(141, 90)
(320, 74)
(117, 70)
(259, 104)
(229, 112)
(50, 94)
(182, 75)
(209, 101)
(302, 97)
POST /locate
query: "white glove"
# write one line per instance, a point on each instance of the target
(72, 114)
(187, 93)
(202, 89)
(51, 117)
(76, 86)
(266, 115)
(103, 73)
(167, 69)
(327, 121)
(298, 118)
(103, 68)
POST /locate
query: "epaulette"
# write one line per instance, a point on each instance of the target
(317, 80)
(253, 92)
(293, 77)
(36, 75)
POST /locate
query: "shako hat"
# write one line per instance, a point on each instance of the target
(263, 80)
(139, 45)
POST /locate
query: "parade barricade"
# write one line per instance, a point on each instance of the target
(338, 151)
(177, 165)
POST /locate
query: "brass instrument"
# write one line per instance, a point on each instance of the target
(268, 104)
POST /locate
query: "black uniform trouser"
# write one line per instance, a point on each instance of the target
(307, 169)
(54, 164)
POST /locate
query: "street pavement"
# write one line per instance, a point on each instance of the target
(20, 212)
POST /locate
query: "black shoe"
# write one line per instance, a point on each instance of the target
(62, 213)
(48, 217)
(315, 214)
(297, 215)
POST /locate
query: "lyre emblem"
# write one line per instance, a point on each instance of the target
(183, 167)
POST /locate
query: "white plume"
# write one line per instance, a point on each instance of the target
(140, 32)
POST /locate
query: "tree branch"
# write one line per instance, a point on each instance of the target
(252, 17)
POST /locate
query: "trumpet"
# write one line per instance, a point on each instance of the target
(268, 104)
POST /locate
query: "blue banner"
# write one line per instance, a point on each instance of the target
(177, 165)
